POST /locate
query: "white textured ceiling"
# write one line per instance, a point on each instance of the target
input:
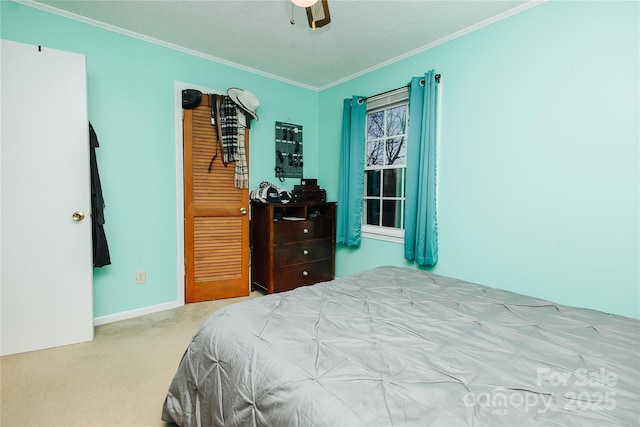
(258, 35)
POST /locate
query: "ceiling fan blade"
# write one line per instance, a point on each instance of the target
(318, 14)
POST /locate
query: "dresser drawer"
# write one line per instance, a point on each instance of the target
(286, 278)
(300, 231)
(297, 253)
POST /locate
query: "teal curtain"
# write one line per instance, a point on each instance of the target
(351, 174)
(421, 224)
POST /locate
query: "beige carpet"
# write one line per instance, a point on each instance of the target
(118, 379)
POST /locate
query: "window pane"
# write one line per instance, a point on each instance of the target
(396, 120)
(391, 216)
(396, 151)
(392, 183)
(384, 173)
(375, 122)
(373, 211)
(372, 183)
(375, 151)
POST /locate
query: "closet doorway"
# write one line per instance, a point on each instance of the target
(216, 218)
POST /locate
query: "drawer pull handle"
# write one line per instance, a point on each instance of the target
(306, 252)
(305, 230)
(305, 273)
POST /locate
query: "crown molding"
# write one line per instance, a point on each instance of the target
(133, 34)
(504, 15)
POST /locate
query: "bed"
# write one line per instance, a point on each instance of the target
(394, 346)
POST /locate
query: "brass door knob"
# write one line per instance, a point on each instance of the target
(243, 211)
(78, 216)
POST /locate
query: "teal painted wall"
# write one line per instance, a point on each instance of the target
(131, 105)
(539, 158)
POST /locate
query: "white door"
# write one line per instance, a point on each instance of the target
(46, 296)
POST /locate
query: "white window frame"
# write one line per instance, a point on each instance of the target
(378, 103)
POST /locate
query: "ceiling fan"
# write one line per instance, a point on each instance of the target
(317, 12)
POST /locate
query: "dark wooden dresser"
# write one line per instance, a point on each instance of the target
(293, 244)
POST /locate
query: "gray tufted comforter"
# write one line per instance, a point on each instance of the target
(401, 347)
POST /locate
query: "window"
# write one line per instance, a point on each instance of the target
(387, 126)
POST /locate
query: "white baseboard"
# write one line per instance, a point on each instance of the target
(101, 320)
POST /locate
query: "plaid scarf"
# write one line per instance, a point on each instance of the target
(229, 129)
(242, 169)
(231, 126)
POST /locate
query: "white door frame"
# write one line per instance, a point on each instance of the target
(180, 271)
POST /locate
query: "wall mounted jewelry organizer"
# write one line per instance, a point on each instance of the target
(289, 160)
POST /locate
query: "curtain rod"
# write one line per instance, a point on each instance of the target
(437, 77)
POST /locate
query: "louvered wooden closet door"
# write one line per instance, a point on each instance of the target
(216, 220)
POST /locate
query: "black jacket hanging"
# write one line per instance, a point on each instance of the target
(100, 248)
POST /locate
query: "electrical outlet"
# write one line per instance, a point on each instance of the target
(141, 277)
